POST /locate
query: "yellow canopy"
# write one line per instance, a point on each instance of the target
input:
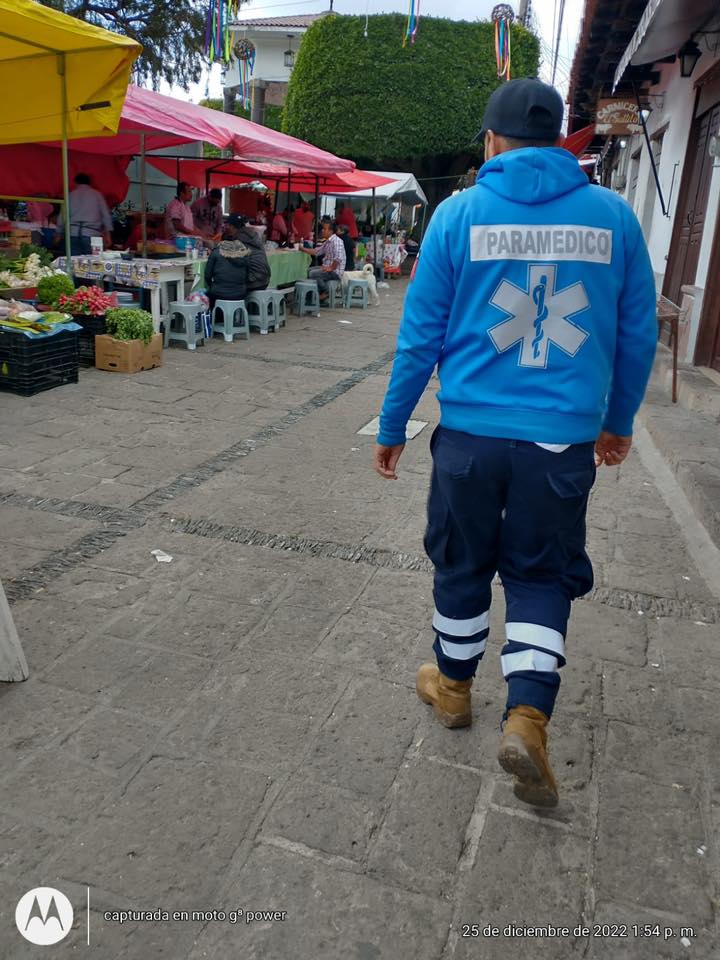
(38, 46)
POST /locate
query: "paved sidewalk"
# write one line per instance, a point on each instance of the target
(238, 730)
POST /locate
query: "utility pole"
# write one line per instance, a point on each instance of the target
(524, 12)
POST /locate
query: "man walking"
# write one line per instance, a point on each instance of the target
(535, 297)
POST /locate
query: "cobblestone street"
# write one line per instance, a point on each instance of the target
(238, 730)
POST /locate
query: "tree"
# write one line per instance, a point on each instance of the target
(172, 33)
(415, 108)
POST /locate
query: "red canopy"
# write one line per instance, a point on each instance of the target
(166, 122)
(578, 142)
(229, 173)
(29, 169)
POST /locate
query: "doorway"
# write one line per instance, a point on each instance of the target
(692, 206)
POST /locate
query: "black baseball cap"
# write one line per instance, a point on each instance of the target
(525, 109)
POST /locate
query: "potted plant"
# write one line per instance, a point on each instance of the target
(50, 289)
(88, 306)
(130, 344)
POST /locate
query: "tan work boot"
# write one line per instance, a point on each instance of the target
(450, 699)
(523, 752)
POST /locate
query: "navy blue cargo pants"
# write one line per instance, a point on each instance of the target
(514, 508)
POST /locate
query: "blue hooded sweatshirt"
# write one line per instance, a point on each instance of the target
(535, 296)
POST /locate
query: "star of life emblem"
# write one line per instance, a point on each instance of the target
(538, 316)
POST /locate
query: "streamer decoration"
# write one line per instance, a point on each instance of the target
(244, 50)
(502, 17)
(413, 22)
(217, 29)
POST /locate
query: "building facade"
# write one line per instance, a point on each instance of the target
(666, 63)
(276, 41)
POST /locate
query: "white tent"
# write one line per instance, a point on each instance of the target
(403, 188)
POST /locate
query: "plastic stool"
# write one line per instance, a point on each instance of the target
(356, 287)
(335, 295)
(188, 334)
(234, 319)
(261, 311)
(307, 297)
(279, 305)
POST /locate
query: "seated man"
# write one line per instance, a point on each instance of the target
(228, 268)
(332, 252)
(258, 266)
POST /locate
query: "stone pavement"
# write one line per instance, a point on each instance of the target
(238, 730)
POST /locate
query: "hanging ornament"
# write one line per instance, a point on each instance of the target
(217, 29)
(502, 17)
(413, 21)
(244, 50)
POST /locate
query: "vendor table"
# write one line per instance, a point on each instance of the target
(152, 275)
(286, 266)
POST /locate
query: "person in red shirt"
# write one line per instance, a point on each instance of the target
(282, 231)
(346, 218)
(303, 222)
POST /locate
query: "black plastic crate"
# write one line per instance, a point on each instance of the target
(29, 365)
(91, 327)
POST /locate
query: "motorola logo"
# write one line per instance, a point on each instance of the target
(44, 916)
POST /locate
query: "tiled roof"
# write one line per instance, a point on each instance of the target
(299, 20)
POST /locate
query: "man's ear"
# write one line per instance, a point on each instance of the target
(490, 145)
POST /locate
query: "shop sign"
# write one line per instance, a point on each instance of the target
(620, 118)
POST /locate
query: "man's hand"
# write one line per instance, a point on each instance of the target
(611, 450)
(385, 460)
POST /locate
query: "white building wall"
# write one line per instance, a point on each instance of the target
(269, 57)
(674, 114)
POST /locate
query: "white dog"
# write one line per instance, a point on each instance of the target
(367, 273)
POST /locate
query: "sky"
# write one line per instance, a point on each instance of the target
(545, 12)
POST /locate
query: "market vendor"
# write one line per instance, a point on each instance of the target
(346, 218)
(282, 232)
(303, 221)
(208, 215)
(178, 215)
(89, 217)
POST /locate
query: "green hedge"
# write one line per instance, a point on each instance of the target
(372, 98)
(273, 114)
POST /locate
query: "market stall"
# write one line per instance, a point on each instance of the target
(156, 276)
(74, 81)
(153, 121)
(75, 77)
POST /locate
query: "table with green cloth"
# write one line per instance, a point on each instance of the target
(286, 266)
